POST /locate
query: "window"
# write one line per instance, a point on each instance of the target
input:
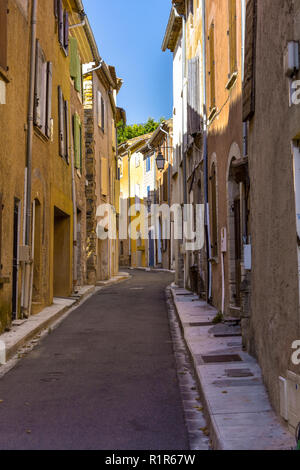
(75, 65)
(100, 110)
(43, 92)
(3, 34)
(212, 65)
(77, 139)
(104, 176)
(62, 17)
(214, 211)
(121, 169)
(137, 160)
(148, 164)
(232, 33)
(63, 113)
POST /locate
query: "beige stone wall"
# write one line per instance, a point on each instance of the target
(275, 320)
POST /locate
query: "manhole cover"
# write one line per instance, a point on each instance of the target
(220, 358)
(239, 373)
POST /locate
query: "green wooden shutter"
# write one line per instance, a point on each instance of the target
(73, 57)
(78, 75)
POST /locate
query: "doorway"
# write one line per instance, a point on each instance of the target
(15, 268)
(61, 254)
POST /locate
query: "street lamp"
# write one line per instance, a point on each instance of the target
(160, 161)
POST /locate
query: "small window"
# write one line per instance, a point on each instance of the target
(148, 164)
(121, 169)
(100, 110)
(43, 92)
(137, 160)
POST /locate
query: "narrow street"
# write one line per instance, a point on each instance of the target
(104, 379)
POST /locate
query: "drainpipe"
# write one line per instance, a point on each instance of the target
(183, 57)
(205, 157)
(75, 248)
(30, 120)
(26, 297)
(129, 206)
(88, 72)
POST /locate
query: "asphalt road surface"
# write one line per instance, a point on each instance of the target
(104, 379)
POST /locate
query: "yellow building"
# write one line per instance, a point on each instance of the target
(41, 193)
(134, 249)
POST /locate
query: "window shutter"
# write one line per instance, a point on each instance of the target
(212, 66)
(102, 112)
(165, 185)
(55, 8)
(232, 36)
(60, 23)
(3, 34)
(99, 116)
(49, 99)
(77, 140)
(61, 123)
(104, 176)
(78, 75)
(250, 59)
(66, 31)
(67, 132)
(39, 114)
(73, 57)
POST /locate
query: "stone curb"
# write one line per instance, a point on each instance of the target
(219, 433)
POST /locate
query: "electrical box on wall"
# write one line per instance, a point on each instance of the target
(291, 58)
(224, 240)
(293, 392)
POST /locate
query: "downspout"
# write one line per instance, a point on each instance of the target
(205, 156)
(28, 171)
(30, 121)
(129, 207)
(75, 273)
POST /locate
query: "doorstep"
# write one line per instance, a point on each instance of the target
(235, 399)
(23, 331)
(115, 279)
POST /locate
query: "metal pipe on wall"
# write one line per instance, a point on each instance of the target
(28, 170)
(205, 156)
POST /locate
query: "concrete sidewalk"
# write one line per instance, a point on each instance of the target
(236, 403)
(25, 330)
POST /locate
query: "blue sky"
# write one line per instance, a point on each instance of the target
(129, 34)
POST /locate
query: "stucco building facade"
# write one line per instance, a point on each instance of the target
(273, 148)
